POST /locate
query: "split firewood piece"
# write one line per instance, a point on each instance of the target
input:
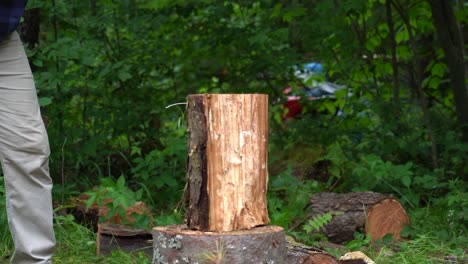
(356, 257)
(375, 214)
(227, 161)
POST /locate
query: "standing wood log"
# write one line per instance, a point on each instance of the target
(227, 161)
(178, 244)
(374, 213)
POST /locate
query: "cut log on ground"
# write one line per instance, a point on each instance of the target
(227, 161)
(297, 253)
(178, 244)
(373, 213)
(112, 237)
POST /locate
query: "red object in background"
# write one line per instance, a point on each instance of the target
(292, 104)
(294, 108)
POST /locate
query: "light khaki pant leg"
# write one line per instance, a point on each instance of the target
(24, 152)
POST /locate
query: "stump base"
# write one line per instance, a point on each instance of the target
(178, 244)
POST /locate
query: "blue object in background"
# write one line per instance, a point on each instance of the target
(314, 66)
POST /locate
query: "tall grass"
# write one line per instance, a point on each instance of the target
(6, 243)
(434, 238)
(76, 244)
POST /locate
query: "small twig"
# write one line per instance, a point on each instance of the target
(171, 105)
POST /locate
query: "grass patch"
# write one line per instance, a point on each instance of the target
(434, 237)
(76, 244)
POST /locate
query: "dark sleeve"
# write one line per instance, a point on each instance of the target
(10, 16)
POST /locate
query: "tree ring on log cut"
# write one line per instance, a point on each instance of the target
(178, 244)
(386, 217)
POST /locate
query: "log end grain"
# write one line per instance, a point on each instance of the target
(178, 244)
(374, 213)
(386, 217)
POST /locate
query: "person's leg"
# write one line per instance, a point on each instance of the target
(24, 152)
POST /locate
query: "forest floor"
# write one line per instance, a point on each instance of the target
(429, 244)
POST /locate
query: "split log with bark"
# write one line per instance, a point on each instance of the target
(227, 161)
(302, 254)
(298, 253)
(227, 171)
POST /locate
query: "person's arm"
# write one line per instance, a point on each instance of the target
(10, 16)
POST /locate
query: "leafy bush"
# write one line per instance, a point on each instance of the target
(117, 197)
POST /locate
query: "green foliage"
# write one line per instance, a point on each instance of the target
(106, 71)
(5, 247)
(429, 240)
(163, 171)
(360, 240)
(373, 172)
(287, 198)
(73, 240)
(455, 210)
(76, 244)
(117, 197)
(319, 221)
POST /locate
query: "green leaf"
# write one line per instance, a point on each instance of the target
(91, 200)
(124, 75)
(401, 36)
(121, 183)
(439, 69)
(406, 180)
(44, 101)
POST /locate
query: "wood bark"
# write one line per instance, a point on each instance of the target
(227, 161)
(197, 192)
(373, 213)
(178, 244)
(297, 253)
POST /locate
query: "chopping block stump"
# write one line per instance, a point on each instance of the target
(227, 178)
(178, 244)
